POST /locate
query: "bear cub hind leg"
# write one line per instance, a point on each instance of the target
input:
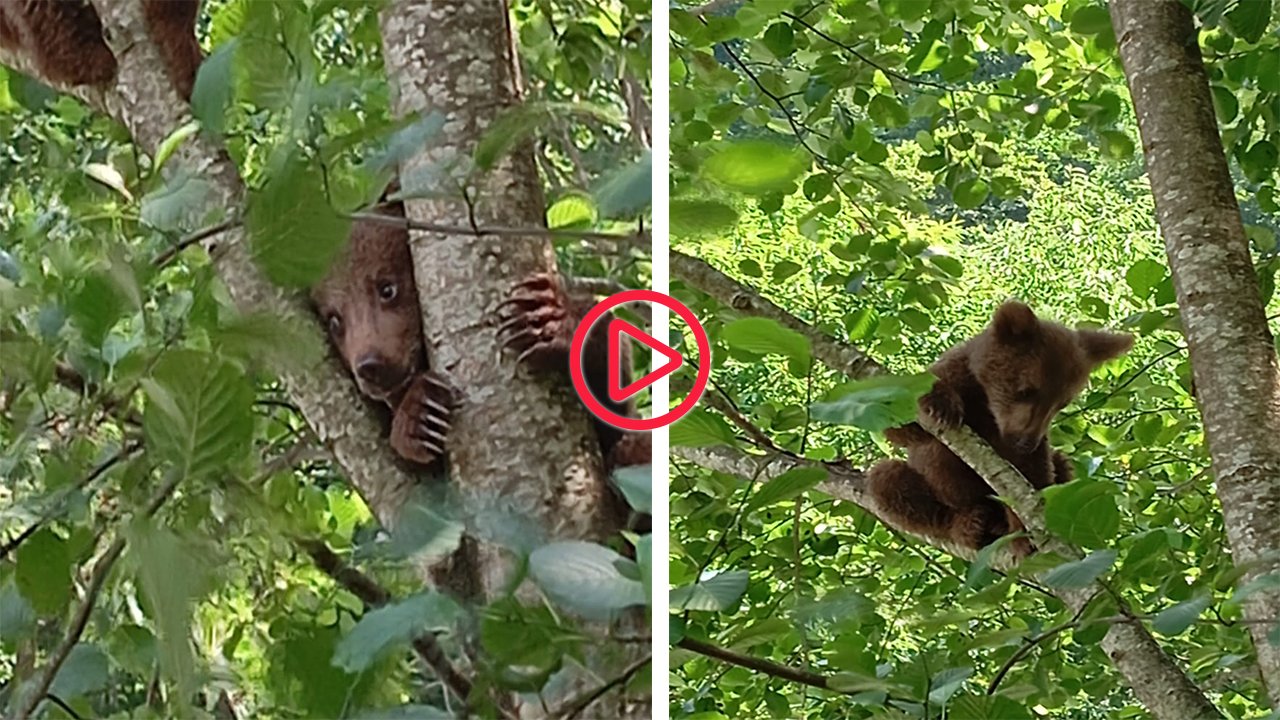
(906, 498)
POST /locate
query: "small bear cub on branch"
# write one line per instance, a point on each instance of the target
(1006, 383)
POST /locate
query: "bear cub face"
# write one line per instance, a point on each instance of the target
(369, 305)
(1031, 368)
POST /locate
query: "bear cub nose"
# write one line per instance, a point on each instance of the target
(375, 372)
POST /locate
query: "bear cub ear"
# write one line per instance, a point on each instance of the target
(1100, 346)
(1014, 321)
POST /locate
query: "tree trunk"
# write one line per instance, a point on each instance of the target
(146, 103)
(1233, 356)
(521, 449)
(520, 442)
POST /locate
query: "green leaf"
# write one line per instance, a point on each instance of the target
(212, 92)
(636, 484)
(785, 269)
(394, 626)
(1080, 573)
(1259, 161)
(293, 232)
(96, 307)
(268, 339)
(586, 577)
(43, 573)
(1248, 19)
(182, 204)
(573, 211)
(699, 428)
(988, 707)
(628, 191)
(756, 167)
(947, 264)
(790, 484)
(780, 39)
(85, 671)
(719, 593)
(407, 712)
(877, 403)
(764, 336)
(1175, 620)
(835, 607)
(17, 618)
(1143, 277)
(424, 529)
(172, 577)
(694, 218)
(519, 123)
(945, 684)
(199, 415)
(1117, 145)
(1091, 20)
(970, 193)
(407, 142)
(1083, 512)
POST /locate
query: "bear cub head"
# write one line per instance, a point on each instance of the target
(1031, 368)
(369, 304)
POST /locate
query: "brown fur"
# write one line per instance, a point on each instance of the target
(369, 303)
(1007, 383)
(64, 40)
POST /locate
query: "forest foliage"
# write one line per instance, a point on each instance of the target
(888, 173)
(142, 413)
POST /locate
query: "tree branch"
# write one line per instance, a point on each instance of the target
(1152, 673)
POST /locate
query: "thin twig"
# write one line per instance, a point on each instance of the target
(374, 595)
(576, 707)
(199, 236)
(101, 569)
(768, 667)
(640, 239)
(893, 73)
(128, 449)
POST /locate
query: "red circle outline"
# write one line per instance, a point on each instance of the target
(580, 381)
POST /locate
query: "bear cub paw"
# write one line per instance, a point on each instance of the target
(537, 322)
(943, 406)
(421, 420)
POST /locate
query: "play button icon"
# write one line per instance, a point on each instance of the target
(667, 360)
(619, 327)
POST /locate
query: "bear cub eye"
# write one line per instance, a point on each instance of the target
(1026, 394)
(335, 324)
(387, 291)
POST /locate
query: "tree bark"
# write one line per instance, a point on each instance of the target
(1156, 679)
(1233, 356)
(520, 443)
(521, 447)
(145, 102)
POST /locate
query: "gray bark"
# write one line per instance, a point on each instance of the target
(1233, 355)
(1156, 679)
(144, 101)
(521, 445)
(519, 438)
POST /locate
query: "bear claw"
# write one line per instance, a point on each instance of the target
(943, 407)
(535, 321)
(422, 419)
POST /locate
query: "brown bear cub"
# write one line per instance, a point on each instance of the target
(369, 303)
(1006, 383)
(63, 39)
